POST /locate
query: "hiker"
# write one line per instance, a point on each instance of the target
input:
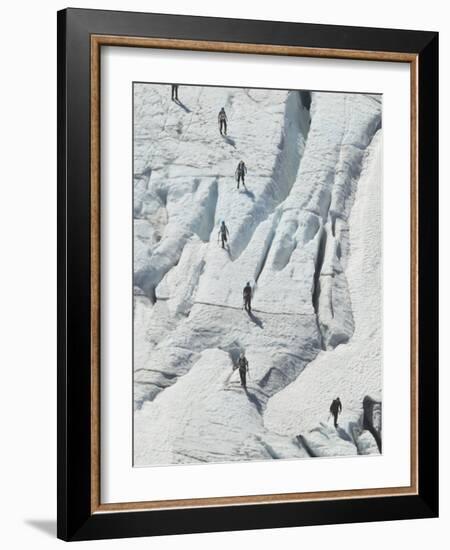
(335, 409)
(223, 233)
(247, 295)
(222, 122)
(241, 170)
(174, 92)
(243, 369)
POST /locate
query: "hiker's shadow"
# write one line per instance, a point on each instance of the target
(254, 400)
(230, 141)
(255, 319)
(182, 105)
(228, 251)
(343, 434)
(249, 194)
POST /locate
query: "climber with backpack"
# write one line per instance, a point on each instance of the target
(241, 170)
(223, 233)
(247, 295)
(222, 122)
(174, 92)
(335, 409)
(243, 369)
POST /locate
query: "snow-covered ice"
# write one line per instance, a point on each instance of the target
(306, 233)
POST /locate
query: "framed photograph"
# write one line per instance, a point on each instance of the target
(248, 301)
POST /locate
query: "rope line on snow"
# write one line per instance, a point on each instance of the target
(241, 308)
(166, 298)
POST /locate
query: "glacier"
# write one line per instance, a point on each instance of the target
(306, 233)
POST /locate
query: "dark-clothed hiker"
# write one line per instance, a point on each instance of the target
(241, 170)
(243, 369)
(247, 295)
(174, 92)
(222, 122)
(335, 409)
(223, 233)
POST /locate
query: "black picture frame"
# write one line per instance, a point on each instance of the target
(76, 521)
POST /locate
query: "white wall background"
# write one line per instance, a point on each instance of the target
(28, 271)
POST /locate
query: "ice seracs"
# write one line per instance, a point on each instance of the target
(305, 232)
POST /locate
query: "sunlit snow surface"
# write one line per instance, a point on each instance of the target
(306, 233)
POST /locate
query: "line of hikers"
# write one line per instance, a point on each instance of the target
(240, 174)
(247, 293)
(223, 235)
(242, 365)
(241, 169)
(222, 116)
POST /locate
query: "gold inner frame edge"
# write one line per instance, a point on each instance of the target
(97, 41)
